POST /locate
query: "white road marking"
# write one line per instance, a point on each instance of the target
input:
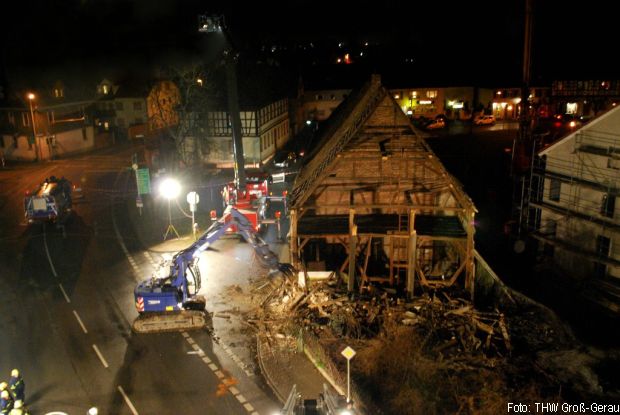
(127, 401)
(248, 407)
(103, 361)
(47, 251)
(219, 374)
(136, 270)
(234, 390)
(64, 293)
(241, 398)
(80, 321)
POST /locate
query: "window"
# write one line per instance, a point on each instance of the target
(602, 251)
(137, 105)
(431, 94)
(105, 89)
(608, 205)
(119, 106)
(554, 190)
(25, 119)
(120, 121)
(139, 120)
(58, 93)
(613, 164)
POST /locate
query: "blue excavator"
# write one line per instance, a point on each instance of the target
(169, 300)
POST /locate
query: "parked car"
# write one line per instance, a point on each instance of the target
(283, 160)
(435, 124)
(568, 121)
(485, 120)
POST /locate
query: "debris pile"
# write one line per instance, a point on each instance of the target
(452, 325)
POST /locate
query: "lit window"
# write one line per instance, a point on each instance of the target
(414, 94)
(431, 94)
(105, 89)
(608, 205)
(58, 92)
(571, 108)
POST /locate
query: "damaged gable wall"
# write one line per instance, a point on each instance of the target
(377, 203)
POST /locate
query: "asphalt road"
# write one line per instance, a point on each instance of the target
(67, 306)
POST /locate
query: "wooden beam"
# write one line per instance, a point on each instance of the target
(294, 250)
(387, 206)
(411, 254)
(352, 250)
(470, 271)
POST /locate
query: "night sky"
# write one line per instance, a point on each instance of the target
(471, 41)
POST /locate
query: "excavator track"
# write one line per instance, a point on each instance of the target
(170, 321)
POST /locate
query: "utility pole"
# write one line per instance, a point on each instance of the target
(524, 146)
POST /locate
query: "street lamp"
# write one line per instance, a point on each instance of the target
(170, 189)
(31, 97)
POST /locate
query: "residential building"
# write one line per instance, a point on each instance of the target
(453, 102)
(586, 98)
(44, 123)
(574, 209)
(122, 108)
(506, 103)
(264, 128)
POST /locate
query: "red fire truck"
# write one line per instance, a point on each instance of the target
(251, 202)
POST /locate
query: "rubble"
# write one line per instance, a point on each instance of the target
(453, 356)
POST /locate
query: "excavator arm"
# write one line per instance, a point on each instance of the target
(165, 303)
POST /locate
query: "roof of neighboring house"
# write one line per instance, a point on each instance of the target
(598, 126)
(132, 90)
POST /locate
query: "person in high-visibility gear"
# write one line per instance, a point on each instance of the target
(18, 409)
(17, 386)
(6, 403)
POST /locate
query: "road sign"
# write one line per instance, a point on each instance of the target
(348, 352)
(193, 198)
(144, 181)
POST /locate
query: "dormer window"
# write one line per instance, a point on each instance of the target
(58, 93)
(105, 89)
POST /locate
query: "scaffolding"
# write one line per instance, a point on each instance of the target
(571, 210)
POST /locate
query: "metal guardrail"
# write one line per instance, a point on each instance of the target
(291, 402)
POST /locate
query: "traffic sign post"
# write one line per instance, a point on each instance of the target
(348, 353)
(193, 199)
(143, 182)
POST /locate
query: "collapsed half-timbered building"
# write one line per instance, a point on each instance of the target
(374, 203)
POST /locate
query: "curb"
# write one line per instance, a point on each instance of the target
(265, 373)
(323, 372)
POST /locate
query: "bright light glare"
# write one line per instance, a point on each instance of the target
(345, 412)
(170, 188)
(308, 122)
(31, 96)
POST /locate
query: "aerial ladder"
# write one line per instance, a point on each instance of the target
(169, 300)
(248, 192)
